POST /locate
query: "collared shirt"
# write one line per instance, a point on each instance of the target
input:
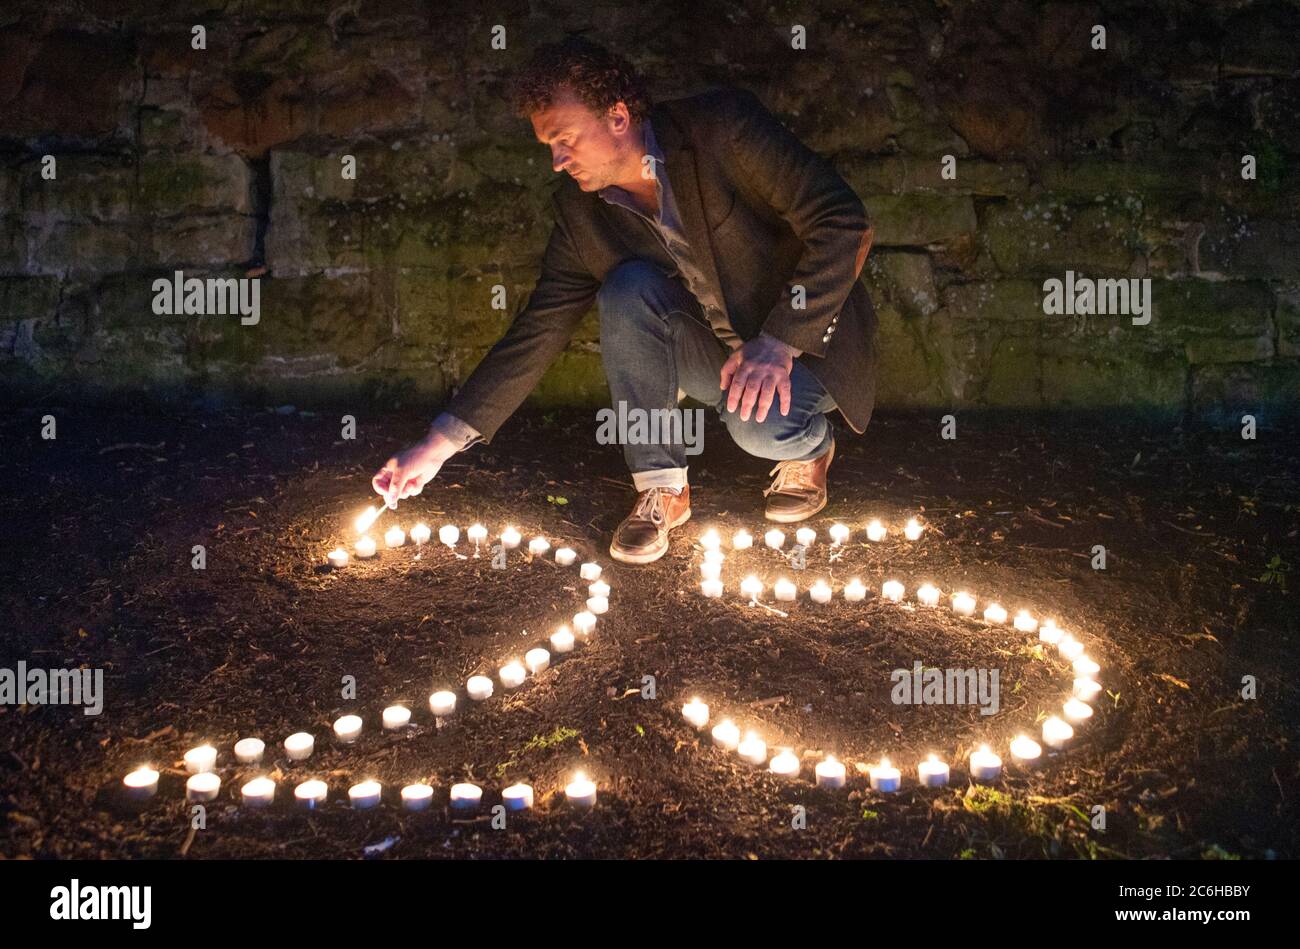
(667, 226)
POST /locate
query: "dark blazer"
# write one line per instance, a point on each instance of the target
(763, 213)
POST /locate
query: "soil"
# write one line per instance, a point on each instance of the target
(1199, 527)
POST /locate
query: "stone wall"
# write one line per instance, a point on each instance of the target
(226, 160)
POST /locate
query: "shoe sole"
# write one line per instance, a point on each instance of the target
(796, 518)
(653, 555)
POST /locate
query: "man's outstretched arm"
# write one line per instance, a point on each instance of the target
(511, 370)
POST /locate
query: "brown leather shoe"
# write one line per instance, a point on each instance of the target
(643, 535)
(799, 489)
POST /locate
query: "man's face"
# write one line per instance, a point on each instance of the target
(597, 151)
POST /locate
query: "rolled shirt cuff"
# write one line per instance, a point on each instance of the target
(455, 430)
(659, 478)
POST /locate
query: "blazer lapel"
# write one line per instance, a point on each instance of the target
(680, 162)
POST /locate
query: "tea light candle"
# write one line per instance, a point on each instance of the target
(396, 717)
(347, 728)
(580, 792)
(466, 797)
(1056, 732)
(774, 538)
(927, 595)
(1085, 690)
(785, 590)
(1070, 648)
(726, 735)
(589, 571)
(912, 530)
(365, 547)
(394, 536)
(984, 765)
(538, 546)
(820, 592)
(854, 590)
(512, 674)
(1049, 632)
(338, 558)
(1086, 667)
(479, 688)
(249, 750)
(200, 759)
(710, 540)
(710, 571)
(714, 556)
(584, 623)
(1026, 751)
(892, 590)
(517, 797)
(742, 540)
(784, 764)
(510, 538)
(202, 787)
(884, 777)
(1076, 711)
(598, 605)
(696, 713)
(752, 587)
(876, 531)
(537, 660)
(258, 792)
(562, 640)
(477, 533)
(599, 588)
(1025, 623)
(443, 703)
(311, 794)
(417, 797)
(839, 534)
(366, 518)
(830, 773)
(142, 783)
(565, 556)
(421, 533)
(711, 588)
(932, 773)
(805, 536)
(753, 749)
(299, 746)
(963, 604)
(994, 614)
(364, 795)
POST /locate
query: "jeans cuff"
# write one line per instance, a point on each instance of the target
(659, 478)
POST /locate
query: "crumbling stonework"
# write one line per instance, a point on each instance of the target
(221, 161)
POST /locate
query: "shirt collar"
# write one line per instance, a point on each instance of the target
(649, 146)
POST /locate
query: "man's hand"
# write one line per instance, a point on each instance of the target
(408, 472)
(756, 372)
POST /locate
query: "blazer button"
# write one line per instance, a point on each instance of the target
(826, 338)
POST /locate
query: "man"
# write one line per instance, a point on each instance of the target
(723, 256)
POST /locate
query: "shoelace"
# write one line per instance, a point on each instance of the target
(791, 474)
(650, 506)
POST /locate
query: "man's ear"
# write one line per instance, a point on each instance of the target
(620, 120)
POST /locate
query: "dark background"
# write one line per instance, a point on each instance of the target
(1122, 162)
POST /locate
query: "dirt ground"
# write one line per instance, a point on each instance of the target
(1200, 529)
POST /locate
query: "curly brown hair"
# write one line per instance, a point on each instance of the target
(595, 75)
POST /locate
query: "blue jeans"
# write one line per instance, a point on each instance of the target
(655, 343)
